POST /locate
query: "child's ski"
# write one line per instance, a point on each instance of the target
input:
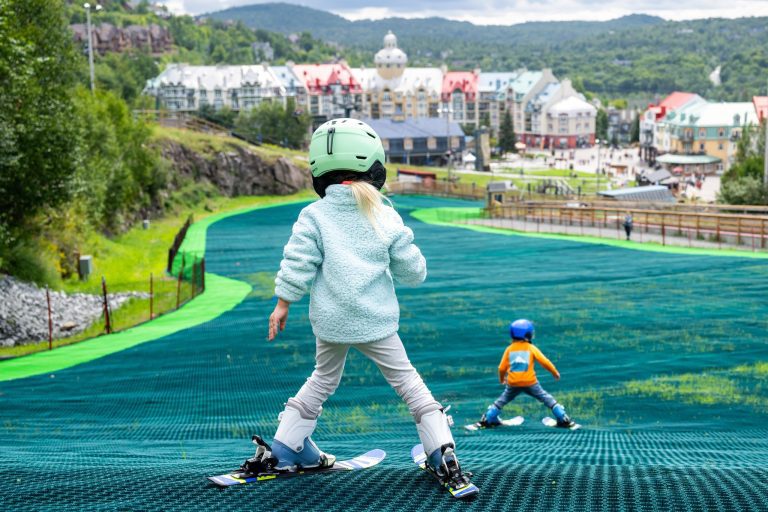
(512, 422)
(420, 458)
(238, 477)
(552, 422)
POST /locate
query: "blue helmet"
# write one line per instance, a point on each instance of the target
(521, 329)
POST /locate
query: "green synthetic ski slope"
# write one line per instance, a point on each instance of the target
(221, 295)
(447, 217)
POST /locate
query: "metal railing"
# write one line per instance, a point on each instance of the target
(749, 231)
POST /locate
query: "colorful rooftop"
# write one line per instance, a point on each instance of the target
(464, 81)
(319, 77)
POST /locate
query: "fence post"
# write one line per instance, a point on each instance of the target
(50, 321)
(178, 283)
(663, 234)
(202, 272)
(738, 232)
(151, 296)
(698, 226)
(194, 276)
(717, 233)
(107, 324)
(762, 233)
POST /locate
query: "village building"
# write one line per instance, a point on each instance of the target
(460, 94)
(653, 136)
(332, 90)
(394, 90)
(557, 116)
(706, 130)
(546, 113)
(181, 87)
(106, 37)
(494, 89)
(423, 141)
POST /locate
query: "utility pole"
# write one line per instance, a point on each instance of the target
(90, 41)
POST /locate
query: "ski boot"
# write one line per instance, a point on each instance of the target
(262, 462)
(491, 417)
(563, 420)
(293, 447)
(435, 435)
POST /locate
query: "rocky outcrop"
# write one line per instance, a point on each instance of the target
(237, 171)
(24, 311)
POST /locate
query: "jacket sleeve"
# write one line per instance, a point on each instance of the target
(504, 364)
(542, 359)
(301, 257)
(406, 262)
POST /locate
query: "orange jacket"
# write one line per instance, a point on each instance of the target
(517, 364)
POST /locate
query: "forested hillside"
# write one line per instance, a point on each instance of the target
(634, 55)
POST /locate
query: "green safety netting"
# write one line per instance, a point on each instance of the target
(663, 358)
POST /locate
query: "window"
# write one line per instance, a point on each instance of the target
(720, 146)
(721, 132)
(702, 133)
(701, 146)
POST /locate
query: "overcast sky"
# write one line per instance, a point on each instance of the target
(507, 12)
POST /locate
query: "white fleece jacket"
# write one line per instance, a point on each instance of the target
(335, 251)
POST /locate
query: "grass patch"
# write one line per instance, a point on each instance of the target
(742, 385)
(127, 261)
(207, 144)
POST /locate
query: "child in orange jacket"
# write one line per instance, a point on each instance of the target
(517, 368)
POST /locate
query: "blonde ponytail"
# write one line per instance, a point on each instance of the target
(369, 201)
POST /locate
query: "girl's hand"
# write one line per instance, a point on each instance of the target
(278, 318)
(556, 375)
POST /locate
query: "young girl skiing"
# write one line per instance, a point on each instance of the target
(345, 251)
(517, 373)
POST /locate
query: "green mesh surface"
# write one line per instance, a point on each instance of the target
(663, 358)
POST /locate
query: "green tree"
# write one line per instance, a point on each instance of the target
(38, 152)
(601, 124)
(634, 134)
(743, 183)
(507, 134)
(272, 123)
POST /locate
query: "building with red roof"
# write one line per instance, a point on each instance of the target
(332, 89)
(460, 91)
(761, 107)
(649, 121)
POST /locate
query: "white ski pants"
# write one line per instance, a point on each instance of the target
(388, 354)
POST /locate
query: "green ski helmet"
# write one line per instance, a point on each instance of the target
(346, 148)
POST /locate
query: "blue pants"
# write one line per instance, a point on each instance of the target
(536, 391)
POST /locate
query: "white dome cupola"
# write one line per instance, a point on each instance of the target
(390, 61)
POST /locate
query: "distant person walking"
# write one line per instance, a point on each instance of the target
(628, 224)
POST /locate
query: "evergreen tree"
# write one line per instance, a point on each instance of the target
(634, 135)
(507, 134)
(601, 124)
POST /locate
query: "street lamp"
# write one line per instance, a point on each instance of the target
(90, 40)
